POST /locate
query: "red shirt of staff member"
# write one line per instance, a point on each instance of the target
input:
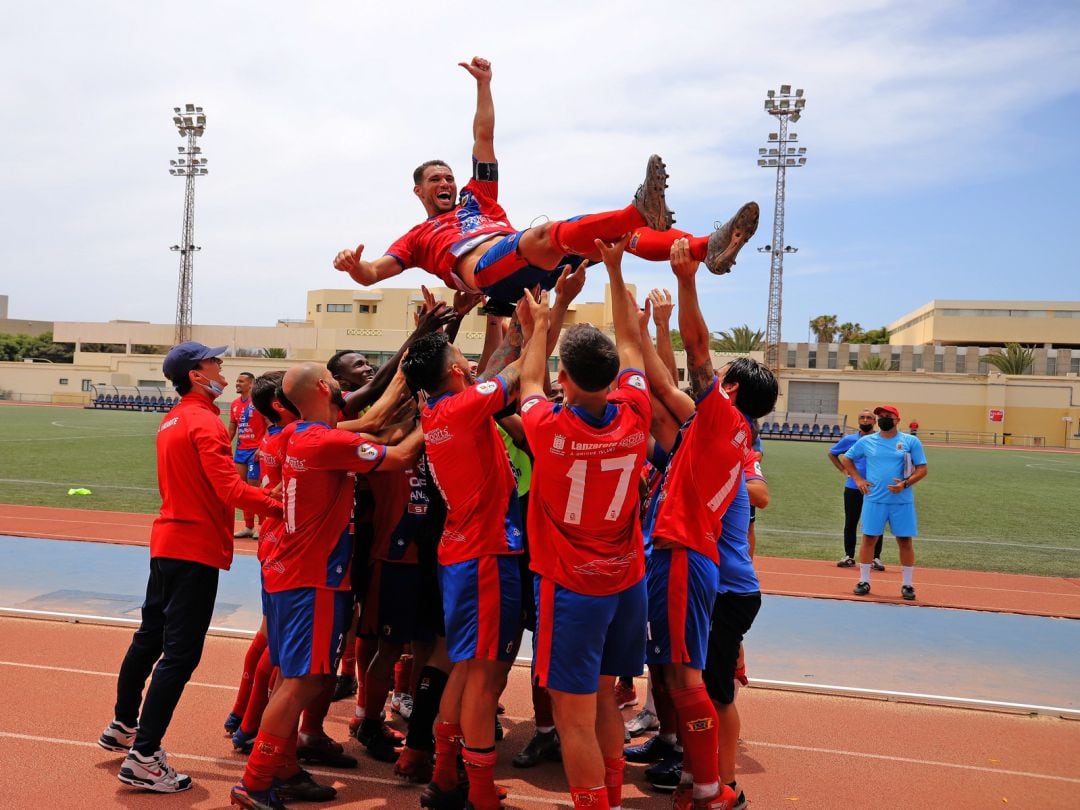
(190, 542)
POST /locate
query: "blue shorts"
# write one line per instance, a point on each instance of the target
(482, 605)
(503, 274)
(580, 637)
(391, 605)
(305, 629)
(682, 589)
(899, 516)
(247, 458)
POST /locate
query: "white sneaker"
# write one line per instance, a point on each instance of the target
(152, 773)
(117, 737)
(641, 722)
(401, 704)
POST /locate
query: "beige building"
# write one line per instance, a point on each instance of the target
(990, 323)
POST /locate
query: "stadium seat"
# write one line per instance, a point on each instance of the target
(837, 432)
(785, 430)
(805, 430)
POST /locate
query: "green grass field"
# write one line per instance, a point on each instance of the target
(990, 510)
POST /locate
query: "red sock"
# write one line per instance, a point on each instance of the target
(348, 660)
(315, 712)
(375, 691)
(265, 760)
(577, 235)
(247, 678)
(480, 765)
(594, 798)
(541, 700)
(260, 695)
(290, 765)
(403, 668)
(655, 246)
(698, 728)
(249, 520)
(447, 746)
(665, 709)
(613, 775)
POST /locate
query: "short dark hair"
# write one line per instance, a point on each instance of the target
(758, 388)
(333, 365)
(418, 173)
(264, 392)
(183, 384)
(425, 367)
(247, 374)
(589, 357)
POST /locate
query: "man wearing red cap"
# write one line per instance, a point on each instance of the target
(190, 542)
(895, 462)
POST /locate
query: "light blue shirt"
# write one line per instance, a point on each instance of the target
(842, 447)
(885, 461)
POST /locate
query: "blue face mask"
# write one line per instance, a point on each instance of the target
(213, 388)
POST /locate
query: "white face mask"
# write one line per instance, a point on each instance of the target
(213, 388)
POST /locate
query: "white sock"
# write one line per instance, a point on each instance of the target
(705, 791)
(864, 572)
(650, 704)
(545, 729)
(909, 572)
(360, 712)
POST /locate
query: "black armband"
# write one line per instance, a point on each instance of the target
(488, 172)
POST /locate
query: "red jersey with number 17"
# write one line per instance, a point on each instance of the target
(703, 475)
(468, 461)
(584, 532)
(317, 476)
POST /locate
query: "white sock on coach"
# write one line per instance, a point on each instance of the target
(864, 572)
(908, 572)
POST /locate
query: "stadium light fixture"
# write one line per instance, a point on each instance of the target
(190, 122)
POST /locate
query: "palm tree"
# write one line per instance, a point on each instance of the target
(879, 336)
(874, 362)
(850, 333)
(824, 327)
(740, 340)
(1013, 359)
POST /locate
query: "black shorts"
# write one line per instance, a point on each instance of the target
(733, 613)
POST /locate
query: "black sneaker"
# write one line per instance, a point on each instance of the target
(652, 750)
(649, 198)
(727, 240)
(379, 746)
(345, 687)
(436, 798)
(862, 589)
(303, 788)
(544, 745)
(908, 592)
(847, 562)
(324, 751)
(254, 799)
(666, 774)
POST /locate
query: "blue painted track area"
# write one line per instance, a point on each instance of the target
(951, 656)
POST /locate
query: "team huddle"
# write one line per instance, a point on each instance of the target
(442, 507)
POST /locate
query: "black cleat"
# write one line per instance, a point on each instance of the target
(908, 592)
(862, 589)
(344, 687)
(544, 745)
(728, 239)
(255, 800)
(303, 788)
(652, 750)
(649, 199)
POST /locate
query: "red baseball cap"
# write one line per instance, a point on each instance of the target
(886, 409)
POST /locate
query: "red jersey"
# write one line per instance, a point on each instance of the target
(250, 424)
(469, 464)
(199, 487)
(317, 476)
(437, 242)
(752, 466)
(271, 457)
(702, 476)
(583, 524)
(401, 503)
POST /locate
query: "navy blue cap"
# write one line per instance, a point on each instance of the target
(183, 357)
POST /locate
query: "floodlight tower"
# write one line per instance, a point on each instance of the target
(781, 155)
(191, 123)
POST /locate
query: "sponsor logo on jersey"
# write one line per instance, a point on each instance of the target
(295, 463)
(739, 439)
(528, 405)
(489, 387)
(611, 567)
(438, 436)
(637, 381)
(702, 724)
(633, 440)
(453, 537)
(168, 423)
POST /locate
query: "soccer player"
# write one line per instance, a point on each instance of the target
(478, 569)
(307, 578)
(247, 426)
(190, 541)
(470, 244)
(895, 462)
(703, 476)
(588, 553)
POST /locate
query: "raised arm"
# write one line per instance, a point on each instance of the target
(623, 307)
(568, 286)
(534, 360)
(692, 327)
(366, 273)
(484, 119)
(661, 384)
(662, 305)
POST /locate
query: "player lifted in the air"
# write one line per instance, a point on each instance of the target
(470, 244)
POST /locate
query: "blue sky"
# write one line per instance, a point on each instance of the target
(940, 136)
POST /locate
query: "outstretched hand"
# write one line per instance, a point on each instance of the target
(465, 301)
(682, 263)
(662, 305)
(612, 253)
(348, 261)
(479, 68)
(570, 283)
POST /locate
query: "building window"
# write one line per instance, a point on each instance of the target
(939, 362)
(791, 358)
(916, 361)
(961, 363)
(63, 380)
(339, 307)
(811, 359)
(367, 308)
(87, 385)
(1051, 366)
(1074, 365)
(853, 358)
(318, 307)
(832, 359)
(894, 364)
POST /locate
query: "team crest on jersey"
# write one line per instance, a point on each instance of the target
(367, 452)
(637, 381)
(900, 446)
(558, 444)
(528, 405)
(489, 387)
(740, 438)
